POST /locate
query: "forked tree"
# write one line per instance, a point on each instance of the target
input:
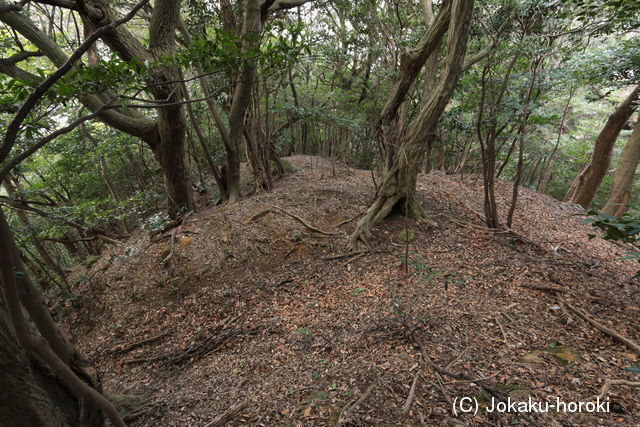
(403, 150)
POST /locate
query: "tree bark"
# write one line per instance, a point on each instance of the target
(618, 201)
(590, 180)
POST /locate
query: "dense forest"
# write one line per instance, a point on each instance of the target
(318, 212)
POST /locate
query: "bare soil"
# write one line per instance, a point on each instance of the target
(256, 313)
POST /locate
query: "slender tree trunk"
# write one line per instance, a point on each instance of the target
(251, 28)
(589, 182)
(522, 132)
(620, 196)
(462, 160)
(506, 159)
(546, 175)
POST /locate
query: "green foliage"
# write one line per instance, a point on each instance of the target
(626, 229)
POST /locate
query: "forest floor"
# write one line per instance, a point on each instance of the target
(256, 319)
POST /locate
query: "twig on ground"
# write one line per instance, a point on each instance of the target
(456, 359)
(496, 393)
(624, 340)
(140, 343)
(504, 335)
(355, 258)
(444, 393)
(347, 412)
(221, 334)
(347, 255)
(412, 394)
(228, 415)
(347, 221)
(552, 288)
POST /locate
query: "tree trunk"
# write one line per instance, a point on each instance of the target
(30, 395)
(546, 175)
(25, 376)
(590, 182)
(623, 178)
(251, 28)
(403, 162)
(170, 147)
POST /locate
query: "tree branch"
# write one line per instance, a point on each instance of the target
(38, 92)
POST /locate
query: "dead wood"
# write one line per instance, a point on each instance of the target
(608, 383)
(141, 343)
(221, 334)
(439, 369)
(553, 288)
(624, 340)
(228, 415)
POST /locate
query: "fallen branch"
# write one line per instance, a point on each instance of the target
(276, 209)
(221, 334)
(624, 340)
(228, 415)
(553, 288)
(137, 344)
(347, 412)
(608, 383)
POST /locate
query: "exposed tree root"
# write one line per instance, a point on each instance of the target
(379, 210)
(412, 394)
(276, 209)
(624, 340)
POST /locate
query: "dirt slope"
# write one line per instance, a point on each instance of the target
(248, 309)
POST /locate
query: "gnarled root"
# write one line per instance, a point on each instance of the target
(379, 210)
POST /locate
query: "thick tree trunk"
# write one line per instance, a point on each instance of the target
(30, 395)
(590, 181)
(170, 153)
(623, 178)
(402, 163)
(42, 391)
(170, 147)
